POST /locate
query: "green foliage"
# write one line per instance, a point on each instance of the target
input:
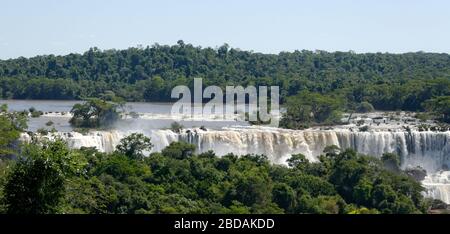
(169, 182)
(331, 150)
(176, 127)
(284, 196)
(361, 210)
(320, 204)
(298, 161)
(439, 106)
(42, 131)
(35, 113)
(387, 81)
(36, 182)
(253, 187)
(364, 107)
(134, 145)
(365, 182)
(11, 125)
(423, 117)
(5, 167)
(179, 150)
(391, 162)
(175, 181)
(236, 208)
(364, 128)
(121, 167)
(308, 108)
(95, 113)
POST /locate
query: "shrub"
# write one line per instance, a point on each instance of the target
(364, 107)
(176, 127)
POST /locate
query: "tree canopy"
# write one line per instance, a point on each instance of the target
(53, 179)
(95, 113)
(308, 108)
(387, 81)
(439, 106)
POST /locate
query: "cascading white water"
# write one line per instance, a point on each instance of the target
(277, 144)
(438, 186)
(430, 150)
(106, 141)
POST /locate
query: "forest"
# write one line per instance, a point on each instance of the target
(386, 81)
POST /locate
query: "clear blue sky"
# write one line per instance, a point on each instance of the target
(29, 28)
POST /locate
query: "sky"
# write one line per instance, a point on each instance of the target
(30, 28)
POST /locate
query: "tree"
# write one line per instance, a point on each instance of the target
(178, 150)
(331, 150)
(284, 196)
(298, 161)
(252, 188)
(320, 204)
(11, 125)
(94, 113)
(176, 127)
(237, 208)
(154, 89)
(440, 106)
(134, 145)
(310, 108)
(364, 107)
(346, 173)
(391, 162)
(362, 192)
(36, 183)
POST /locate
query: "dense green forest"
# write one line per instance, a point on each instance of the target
(387, 81)
(48, 177)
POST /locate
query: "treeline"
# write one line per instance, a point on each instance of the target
(387, 81)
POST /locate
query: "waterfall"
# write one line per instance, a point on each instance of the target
(428, 149)
(277, 144)
(438, 186)
(106, 141)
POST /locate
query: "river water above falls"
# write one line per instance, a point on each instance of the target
(425, 148)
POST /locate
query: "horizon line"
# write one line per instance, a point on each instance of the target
(142, 47)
